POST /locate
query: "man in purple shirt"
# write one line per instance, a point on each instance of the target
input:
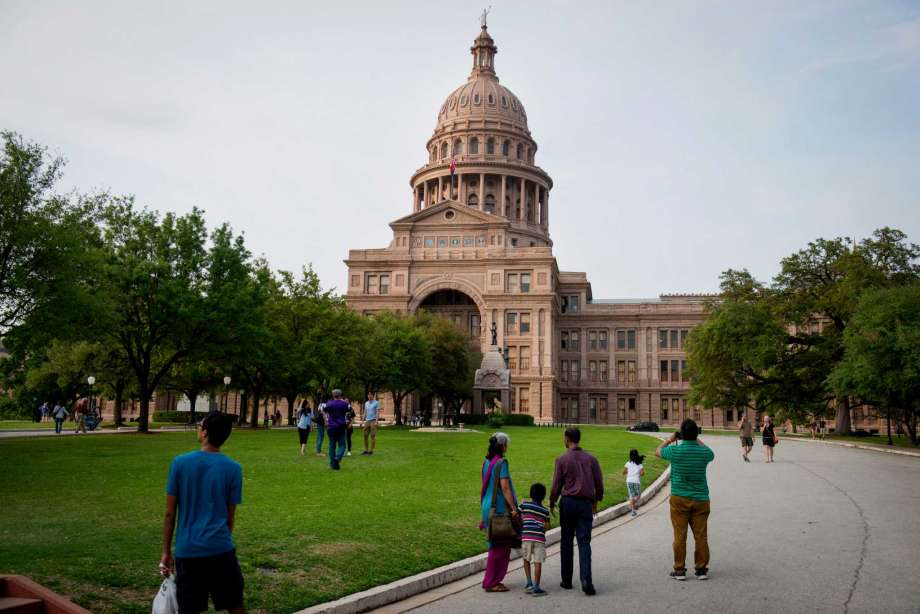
(336, 423)
(580, 483)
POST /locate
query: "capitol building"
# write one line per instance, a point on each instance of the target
(476, 248)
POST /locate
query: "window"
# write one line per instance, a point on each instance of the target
(490, 146)
(458, 147)
(475, 325)
(626, 339)
(663, 373)
(477, 99)
(517, 283)
(574, 340)
(592, 340)
(520, 151)
(670, 371)
(672, 338)
(621, 371)
(511, 323)
(491, 99)
(490, 204)
(675, 371)
(574, 371)
(564, 370)
(472, 200)
(511, 283)
(631, 406)
(525, 323)
(443, 150)
(371, 285)
(663, 338)
(468, 241)
(621, 408)
(523, 399)
(664, 409)
(511, 358)
(592, 407)
(474, 145)
(570, 303)
(602, 369)
(506, 146)
(592, 370)
(564, 339)
(525, 357)
(602, 339)
(384, 284)
(525, 283)
(729, 416)
(683, 337)
(684, 377)
(630, 371)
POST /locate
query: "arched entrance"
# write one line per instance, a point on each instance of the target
(456, 306)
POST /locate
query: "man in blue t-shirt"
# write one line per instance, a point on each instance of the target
(205, 486)
(371, 413)
(336, 423)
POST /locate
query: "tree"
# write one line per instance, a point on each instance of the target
(456, 359)
(405, 353)
(881, 363)
(42, 236)
(193, 378)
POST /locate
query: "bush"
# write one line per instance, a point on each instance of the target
(496, 419)
(13, 409)
(177, 417)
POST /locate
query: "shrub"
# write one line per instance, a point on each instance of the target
(178, 417)
(496, 419)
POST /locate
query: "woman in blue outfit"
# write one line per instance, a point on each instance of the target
(499, 554)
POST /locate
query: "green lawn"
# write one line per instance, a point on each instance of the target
(83, 515)
(69, 425)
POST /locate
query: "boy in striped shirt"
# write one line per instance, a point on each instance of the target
(533, 537)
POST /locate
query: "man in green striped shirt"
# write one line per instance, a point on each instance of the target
(689, 497)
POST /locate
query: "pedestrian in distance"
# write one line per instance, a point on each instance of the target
(746, 433)
(304, 422)
(633, 470)
(371, 414)
(79, 416)
(689, 458)
(202, 492)
(336, 425)
(497, 498)
(578, 486)
(319, 425)
(769, 438)
(59, 413)
(350, 416)
(535, 519)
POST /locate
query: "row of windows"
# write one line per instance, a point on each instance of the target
(519, 358)
(570, 340)
(517, 323)
(464, 99)
(521, 151)
(671, 371)
(672, 338)
(672, 409)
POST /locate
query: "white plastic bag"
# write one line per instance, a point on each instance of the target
(165, 602)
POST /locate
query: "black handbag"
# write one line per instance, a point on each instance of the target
(503, 529)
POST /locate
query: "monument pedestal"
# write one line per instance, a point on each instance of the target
(492, 380)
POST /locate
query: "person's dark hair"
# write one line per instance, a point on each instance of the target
(537, 492)
(218, 426)
(573, 434)
(497, 443)
(635, 457)
(689, 430)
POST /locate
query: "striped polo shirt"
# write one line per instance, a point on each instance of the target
(534, 518)
(688, 469)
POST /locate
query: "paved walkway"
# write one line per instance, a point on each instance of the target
(823, 529)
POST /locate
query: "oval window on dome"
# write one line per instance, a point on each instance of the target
(514, 104)
(504, 102)
(453, 102)
(463, 100)
(477, 99)
(491, 99)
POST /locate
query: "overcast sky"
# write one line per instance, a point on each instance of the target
(684, 138)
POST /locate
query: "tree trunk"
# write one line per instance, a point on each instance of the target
(143, 418)
(843, 416)
(244, 407)
(256, 394)
(291, 401)
(888, 426)
(116, 413)
(397, 409)
(192, 398)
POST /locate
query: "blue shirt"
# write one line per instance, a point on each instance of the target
(371, 409)
(204, 483)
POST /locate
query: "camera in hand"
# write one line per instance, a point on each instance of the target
(677, 435)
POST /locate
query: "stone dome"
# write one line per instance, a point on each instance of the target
(482, 97)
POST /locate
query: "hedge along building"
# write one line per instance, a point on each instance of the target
(476, 249)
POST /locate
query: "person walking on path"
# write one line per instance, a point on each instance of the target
(350, 416)
(578, 485)
(79, 416)
(505, 501)
(633, 470)
(319, 424)
(746, 432)
(59, 413)
(371, 413)
(533, 538)
(689, 497)
(304, 421)
(336, 424)
(205, 487)
(769, 438)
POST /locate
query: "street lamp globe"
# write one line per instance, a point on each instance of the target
(226, 380)
(91, 380)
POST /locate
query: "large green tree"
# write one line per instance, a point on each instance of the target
(881, 363)
(405, 358)
(454, 359)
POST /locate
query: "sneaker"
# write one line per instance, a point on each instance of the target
(528, 588)
(336, 465)
(365, 453)
(567, 587)
(538, 592)
(702, 574)
(679, 575)
(348, 454)
(746, 459)
(589, 590)
(633, 513)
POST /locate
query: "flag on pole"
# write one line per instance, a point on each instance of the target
(453, 166)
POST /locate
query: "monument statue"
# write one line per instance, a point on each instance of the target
(484, 17)
(494, 331)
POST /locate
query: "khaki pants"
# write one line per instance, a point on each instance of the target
(695, 513)
(81, 423)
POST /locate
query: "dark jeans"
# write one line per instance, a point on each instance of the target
(336, 446)
(58, 425)
(348, 433)
(320, 433)
(575, 520)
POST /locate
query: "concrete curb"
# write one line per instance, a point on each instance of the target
(404, 588)
(858, 446)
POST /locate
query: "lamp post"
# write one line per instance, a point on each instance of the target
(92, 402)
(226, 391)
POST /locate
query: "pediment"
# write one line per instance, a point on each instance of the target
(448, 213)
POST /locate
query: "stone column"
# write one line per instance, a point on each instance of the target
(546, 209)
(425, 193)
(440, 188)
(523, 197)
(536, 202)
(482, 191)
(461, 188)
(501, 205)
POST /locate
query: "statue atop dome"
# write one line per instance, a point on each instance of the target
(483, 19)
